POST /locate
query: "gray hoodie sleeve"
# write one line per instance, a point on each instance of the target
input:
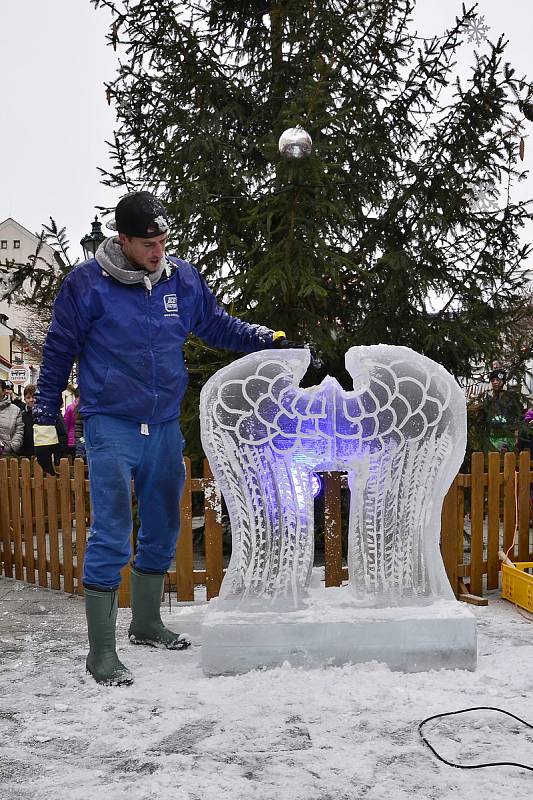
(18, 432)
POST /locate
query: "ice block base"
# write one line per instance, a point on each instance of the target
(331, 629)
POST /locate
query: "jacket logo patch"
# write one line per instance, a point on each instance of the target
(171, 302)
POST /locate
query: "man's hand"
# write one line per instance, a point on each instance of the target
(44, 440)
(280, 341)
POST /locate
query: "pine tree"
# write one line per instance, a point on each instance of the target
(354, 244)
(401, 227)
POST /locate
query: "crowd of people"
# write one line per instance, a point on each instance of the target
(17, 424)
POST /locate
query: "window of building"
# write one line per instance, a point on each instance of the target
(16, 243)
(3, 244)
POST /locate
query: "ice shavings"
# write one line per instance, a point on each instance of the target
(282, 734)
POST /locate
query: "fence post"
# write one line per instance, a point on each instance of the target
(509, 501)
(15, 517)
(124, 590)
(53, 536)
(5, 527)
(184, 555)
(493, 526)
(38, 494)
(214, 560)
(476, 512)
(332, 529)
(524, 504)
(80, 517)
(27, 519)
(66, 524)
(449, 536)
(460, 521)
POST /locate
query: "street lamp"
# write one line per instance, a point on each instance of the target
(92, 241)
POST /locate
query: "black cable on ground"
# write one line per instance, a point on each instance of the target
(473, 766)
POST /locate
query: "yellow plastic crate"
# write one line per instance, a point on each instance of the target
(517, 585)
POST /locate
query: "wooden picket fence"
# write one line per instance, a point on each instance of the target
(44, 522)
(488, 509)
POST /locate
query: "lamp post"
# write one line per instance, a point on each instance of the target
(92, 241)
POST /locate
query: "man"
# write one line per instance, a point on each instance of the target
(11, 424)
(500, 414)
(126, 315)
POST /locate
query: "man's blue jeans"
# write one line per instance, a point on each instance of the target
(117, 451)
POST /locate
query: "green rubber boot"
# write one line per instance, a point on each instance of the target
(146, 625)
(102, 661)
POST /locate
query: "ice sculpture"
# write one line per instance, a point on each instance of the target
(401, 435)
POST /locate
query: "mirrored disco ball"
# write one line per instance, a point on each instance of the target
(295, 143)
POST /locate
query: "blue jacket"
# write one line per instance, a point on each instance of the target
(130, 342)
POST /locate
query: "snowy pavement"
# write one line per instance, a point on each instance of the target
(284, 734)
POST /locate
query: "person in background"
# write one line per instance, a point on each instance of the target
(10, 390)
(500, 414)
(11, 424)
(126, 315)
(70, 423)
(26, 451)
(80, 436)
(57, 451)
(61, 449)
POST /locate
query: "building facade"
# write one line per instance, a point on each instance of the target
(17, 244)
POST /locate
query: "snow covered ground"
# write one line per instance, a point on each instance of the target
(285, 734)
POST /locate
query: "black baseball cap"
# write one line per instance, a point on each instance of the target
(140, 214)
(497, 375)
(8, 385)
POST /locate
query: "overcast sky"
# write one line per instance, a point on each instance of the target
(54, 62)
(53, 65)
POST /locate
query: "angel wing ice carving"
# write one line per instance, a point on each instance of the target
(400, 434)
